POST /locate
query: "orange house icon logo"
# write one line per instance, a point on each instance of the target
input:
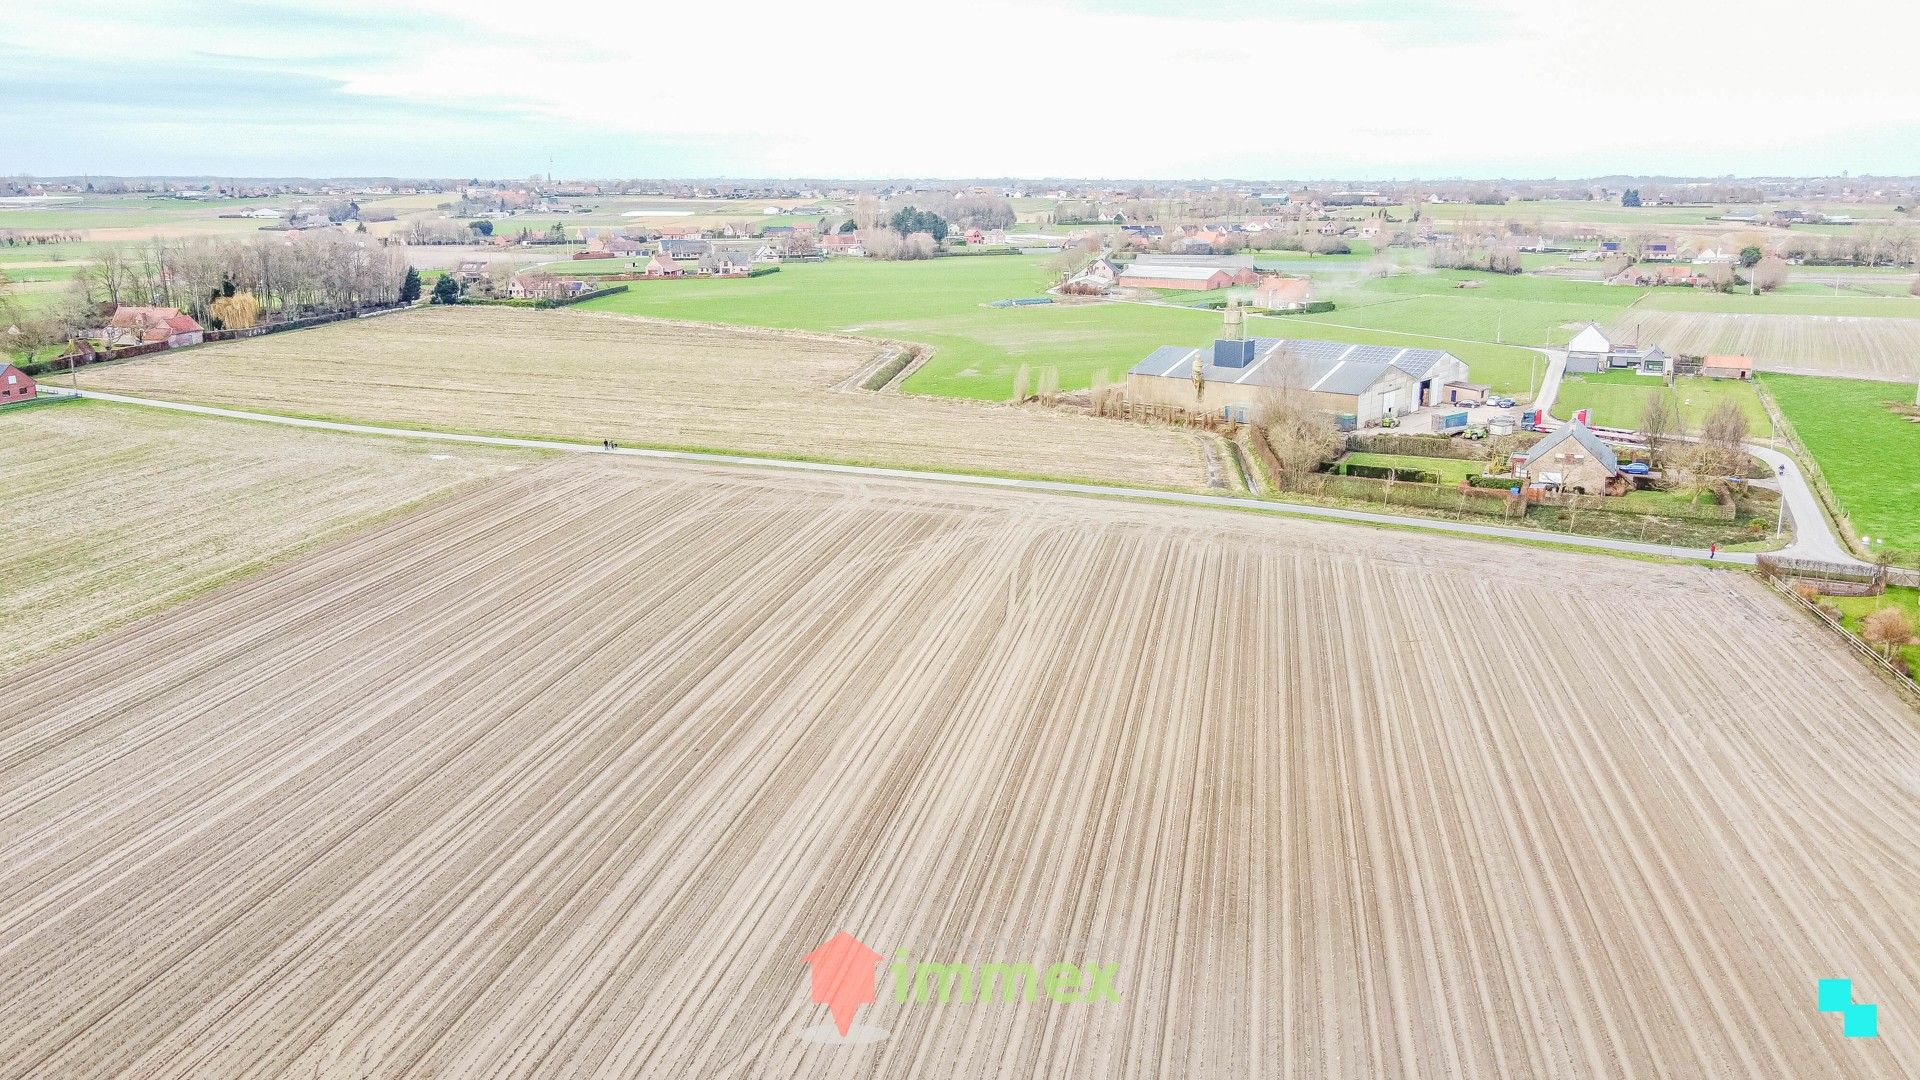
(843, 979)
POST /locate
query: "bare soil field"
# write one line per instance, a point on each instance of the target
(564, 777)
(112, 512)
(1887, 349)
(564, 374)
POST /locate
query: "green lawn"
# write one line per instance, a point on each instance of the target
(1450, 470)
(1853, 609)
(978, 348)
(1619, 399)
(1868, 454)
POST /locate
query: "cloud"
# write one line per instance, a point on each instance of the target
(1115, 88)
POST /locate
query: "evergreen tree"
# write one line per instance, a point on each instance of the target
(410, 286)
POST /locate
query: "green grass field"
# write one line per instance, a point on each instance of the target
(1449, 470)
(1854, 609)
(978, 348)
(1868, 453)
(1619, 399)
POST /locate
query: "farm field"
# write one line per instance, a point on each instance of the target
(979, 349)
(1868, 454)
(1619, 399)
(566, 776)
(574, 375)
(1860, 348)
(114, 512)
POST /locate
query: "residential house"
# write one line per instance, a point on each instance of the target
(975, 237)
(1659, 250)
(16, 385)
(1727, 367)
(726, 262)
(839, 243)
(660, 266)
(1571, 458)
(149, 325)
(1589, 351)
(1102, 269)
(677, 248)
(470, 270)
(1277, 292)
(541, 286)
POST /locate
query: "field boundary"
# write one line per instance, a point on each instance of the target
(1901, 679)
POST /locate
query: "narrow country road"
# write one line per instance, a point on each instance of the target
(1329, 513)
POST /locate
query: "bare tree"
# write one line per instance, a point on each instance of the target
(1722, 435)
(1659, 422)
(1887, 629)
(1301, 435)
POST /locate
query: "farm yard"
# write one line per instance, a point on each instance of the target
(1833, 345)
(598, 752)
(1867, 453)
(114, 512)
(587, 377)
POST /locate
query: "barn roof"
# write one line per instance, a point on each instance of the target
(1590, 340)
(1328, 367)
(1161, 272)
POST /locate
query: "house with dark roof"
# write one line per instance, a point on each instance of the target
(1366, 382)
(1571, 458)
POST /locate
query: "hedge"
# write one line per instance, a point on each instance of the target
(1442, 446)
(758, 271)
(1385, 472)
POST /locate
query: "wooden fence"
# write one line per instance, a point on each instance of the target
(1901, 678)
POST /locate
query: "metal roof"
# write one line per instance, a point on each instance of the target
(1328, 367)
(1173, 273)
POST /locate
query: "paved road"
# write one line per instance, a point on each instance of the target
(1329, 513)
(1550, 383)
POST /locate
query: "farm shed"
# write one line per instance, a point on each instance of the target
(16, 385)
(1572, 458)
(1368, 381)
(1194, 278)
(1727, 367)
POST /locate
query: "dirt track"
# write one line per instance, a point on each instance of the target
(563, 777)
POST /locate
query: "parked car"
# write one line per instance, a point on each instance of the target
(1505, 402)
(1636, 468)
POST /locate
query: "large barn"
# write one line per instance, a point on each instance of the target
(1367, 382)
(1196, 278)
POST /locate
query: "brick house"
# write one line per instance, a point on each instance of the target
(1278, 292)
(660, 266)
(16, 385)
(1572, 458)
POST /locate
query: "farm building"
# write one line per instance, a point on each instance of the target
(1571, 458)
(1192, 278)
(1727, 367)
(470, 270)
(16, 385)
(1369, 382)
(1278, 292)
(660, 266)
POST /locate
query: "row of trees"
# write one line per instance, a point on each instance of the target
(1501, 259)
(890, 244)
(223, 282)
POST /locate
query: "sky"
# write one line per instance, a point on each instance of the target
(868, 89)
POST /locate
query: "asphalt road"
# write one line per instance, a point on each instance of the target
(1328, 513)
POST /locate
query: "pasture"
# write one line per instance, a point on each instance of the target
(1868, 454)
(1844, 347)
(1619, 399)
(114, 512)
(979, 348)
(571, 374)
(565, 777)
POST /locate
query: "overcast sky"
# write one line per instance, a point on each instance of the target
(885, 88)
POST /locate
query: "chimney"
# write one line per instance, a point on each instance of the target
(1236, 321)
(1232, 353)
